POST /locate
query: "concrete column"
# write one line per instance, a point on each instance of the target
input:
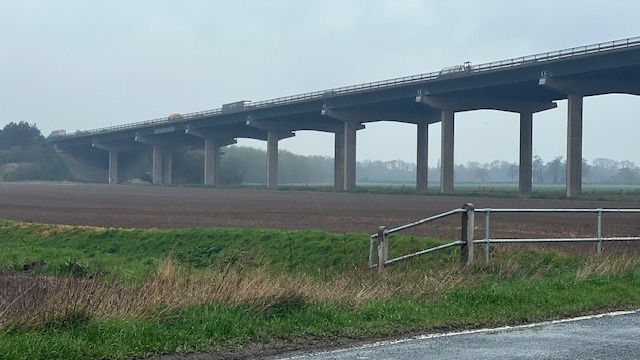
(211, 161)
(574, 146)
(167, 166)
(526, 152)
(113, 167)
(272, 159)
(422, 158)
(446, 152)
(350, 129)
(156, 166)
(338, 160)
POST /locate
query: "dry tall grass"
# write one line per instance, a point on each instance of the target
(33, 300)
(607, 265)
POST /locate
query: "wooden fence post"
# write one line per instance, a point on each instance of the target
(466, 250)
(383, 248)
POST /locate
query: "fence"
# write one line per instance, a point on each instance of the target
(467, 236)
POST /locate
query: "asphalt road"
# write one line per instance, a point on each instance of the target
(610, 336)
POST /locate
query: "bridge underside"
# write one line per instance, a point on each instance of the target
(525, 89)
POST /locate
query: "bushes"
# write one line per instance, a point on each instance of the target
(25, 155)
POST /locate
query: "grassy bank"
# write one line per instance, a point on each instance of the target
(81, 293)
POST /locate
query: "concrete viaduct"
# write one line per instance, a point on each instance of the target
(524, 85)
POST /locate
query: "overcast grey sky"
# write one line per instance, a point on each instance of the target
(80, 64)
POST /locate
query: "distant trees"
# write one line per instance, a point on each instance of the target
(20, 134)
(245, 165)
(25, 155)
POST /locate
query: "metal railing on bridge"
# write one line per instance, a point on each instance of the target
(467, 238)
(377, 85)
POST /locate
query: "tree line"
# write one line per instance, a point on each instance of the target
(245, 165)
(26, 155)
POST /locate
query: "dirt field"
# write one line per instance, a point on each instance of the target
(175, 207)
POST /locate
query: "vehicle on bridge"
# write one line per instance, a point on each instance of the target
(175, 117)
(456, 69)
(234, 106)
(56, 133)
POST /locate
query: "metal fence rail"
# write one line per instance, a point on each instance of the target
(467, 235)
(386, 232)
(597, 239)
(378, 85)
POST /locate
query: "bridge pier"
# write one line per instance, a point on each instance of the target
(213, 142)
(449, 105)
(162, 158)
(350, 129)
(338, 159)
(526, 152)
(211, 162)
(162, 169)
(113, 166)
(272, 159)
(156, 165)
(575, 90)
(574, 145)
(446, 152)
(422, 157)
(114, 150)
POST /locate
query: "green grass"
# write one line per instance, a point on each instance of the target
(429, 293)
(131, 255)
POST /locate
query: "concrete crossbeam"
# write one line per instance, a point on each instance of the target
(460, 104)
(588, 87)
(411, 117)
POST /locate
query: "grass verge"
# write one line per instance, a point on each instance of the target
(84, 293)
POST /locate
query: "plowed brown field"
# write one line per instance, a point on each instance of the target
(175, 207)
